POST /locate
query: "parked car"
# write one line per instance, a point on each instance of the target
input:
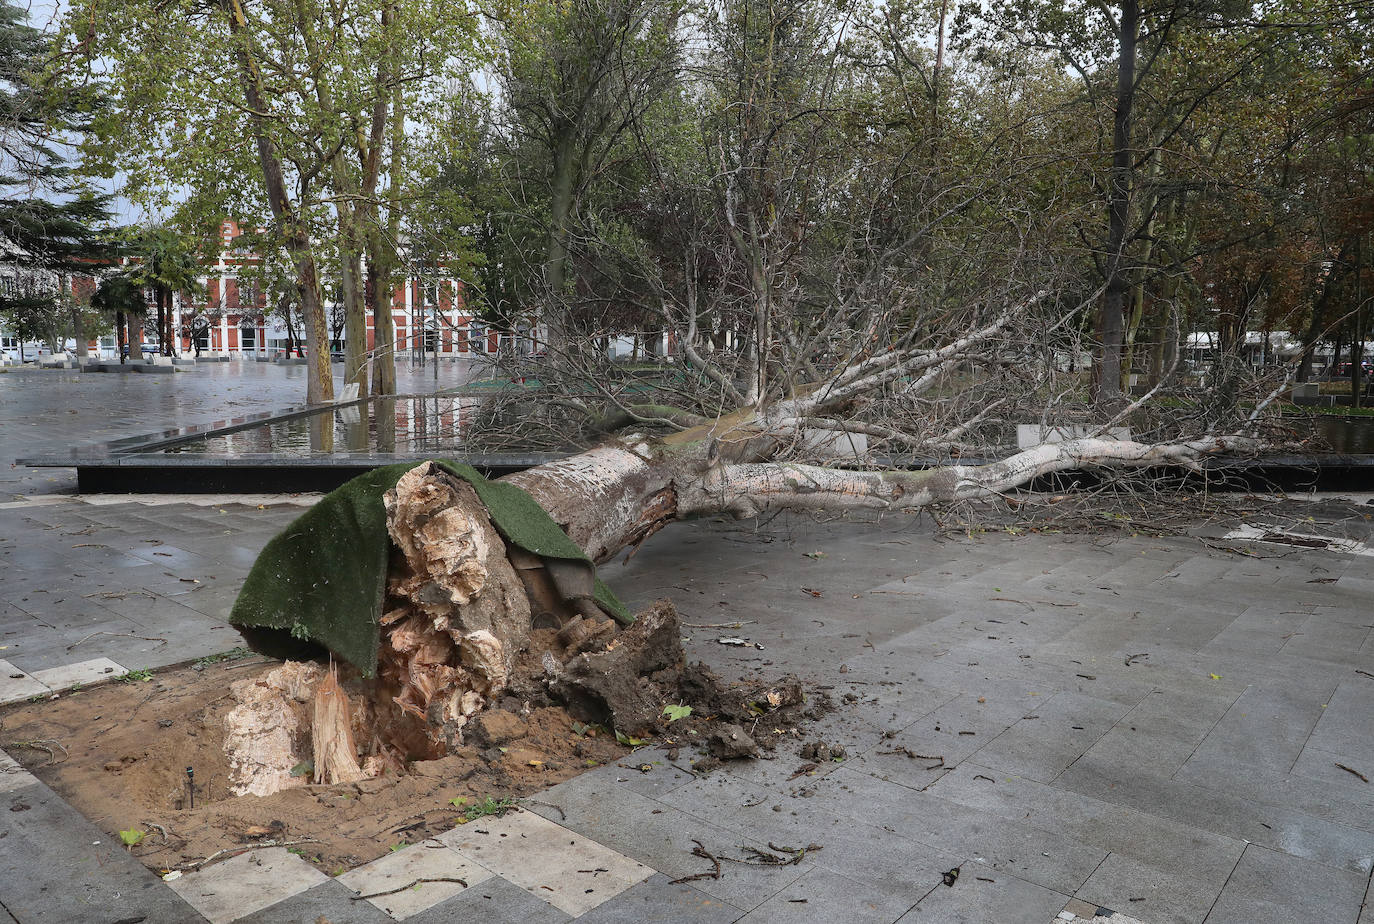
(1342, 371)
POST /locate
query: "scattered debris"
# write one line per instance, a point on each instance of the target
(235, 851)
(1352, 770)
(730, 742)
(821, 752)
(947, 878)
(49, 746)
(775, 855)
(1131, 659)
(938, 758)
(700, 851)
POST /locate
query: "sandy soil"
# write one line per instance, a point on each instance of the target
(119, 754)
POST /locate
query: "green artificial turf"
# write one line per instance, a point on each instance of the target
(323, 578)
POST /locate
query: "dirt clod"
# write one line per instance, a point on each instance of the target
(820, 752)
(730, 742)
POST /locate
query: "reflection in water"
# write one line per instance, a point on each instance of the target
(1352, 435)
(429, 424)
(321, 434)
(385, 409)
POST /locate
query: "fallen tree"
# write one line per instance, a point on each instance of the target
(475, 591)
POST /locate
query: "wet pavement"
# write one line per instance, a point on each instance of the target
(1120, 727)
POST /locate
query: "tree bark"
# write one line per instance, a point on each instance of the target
(1112, 318)
(347, 195)
(562, 191)
(320, 381)
(381, 262)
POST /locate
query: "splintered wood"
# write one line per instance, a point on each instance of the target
(456, 616)
(331, 734)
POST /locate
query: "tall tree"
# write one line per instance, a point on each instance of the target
(50, 219)
(576, 78)
(272, 108)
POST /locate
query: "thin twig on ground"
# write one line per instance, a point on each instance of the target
(1352, 770)
(409, 885)
(146, 638)
(700, 851)
(235, 851)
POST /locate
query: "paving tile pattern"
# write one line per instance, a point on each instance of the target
(1122, 728)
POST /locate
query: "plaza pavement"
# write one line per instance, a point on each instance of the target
(1126, 728)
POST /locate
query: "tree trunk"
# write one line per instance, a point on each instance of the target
(1112, 317)
(347, 195)
(381, 263)
(78, 333)
(1357, 341)
(320, 381)
(555, 262)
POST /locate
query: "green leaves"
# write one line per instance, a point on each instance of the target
(677, 712)
(132, 837)
(628, 740)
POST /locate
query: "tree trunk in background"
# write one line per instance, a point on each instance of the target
(381, 262)
(320, 381)
(555, 261)
(1111, 321)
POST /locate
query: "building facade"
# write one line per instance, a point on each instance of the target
(232, 316)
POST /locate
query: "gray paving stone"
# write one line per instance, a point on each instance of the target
(1040, 748)
(58, 868)
(822, 897)
(428, 865)
(983, 896)
(331, 900)
(17, 685)
(1022, 850)
(1157, 736)
(12, 775)
(1216, 809)
(1173, 847)
(64, 678)
(1340, 798)
(1266, 728)
(240, 885)
(1150, 894)
(1269, 887)
(657, 899)
(495, 900)
(663, 838)
(883, 855)
(573, 873)
(1343, 726)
